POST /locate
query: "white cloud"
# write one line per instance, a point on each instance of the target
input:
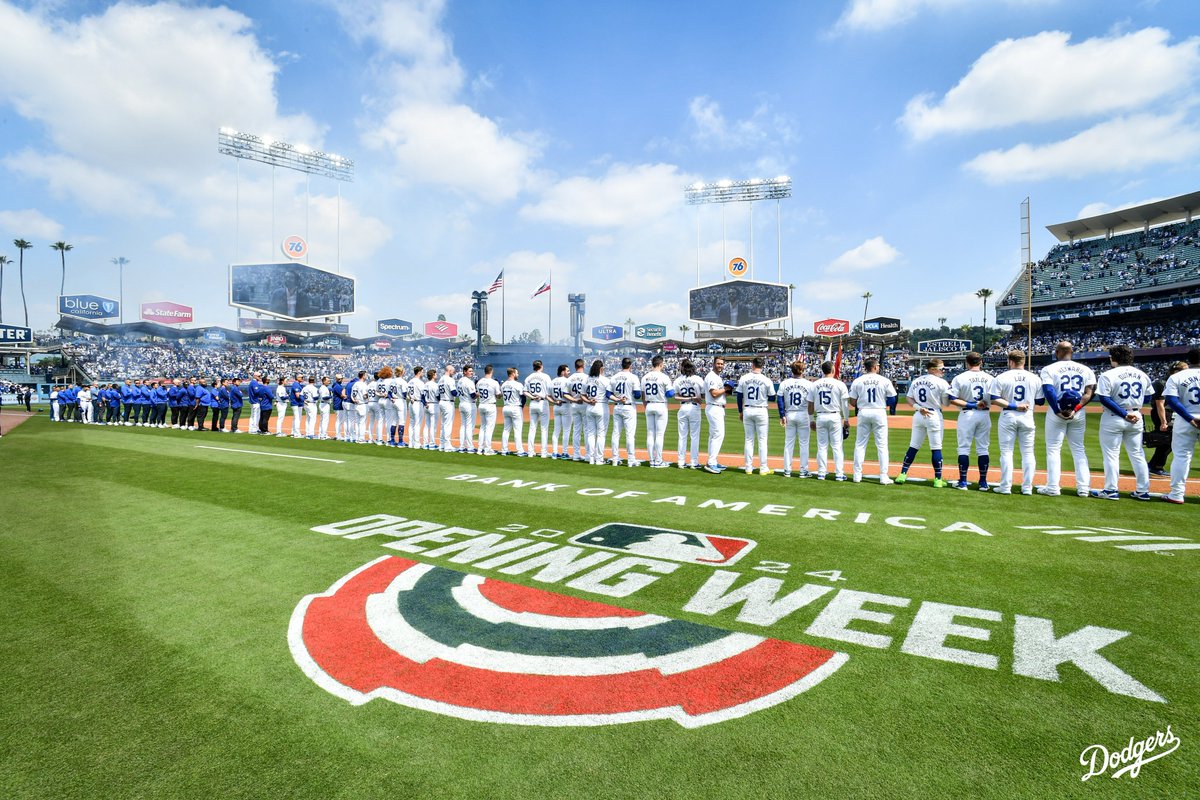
(29, 223)
(877, 15)
(1119, 145)
(625, 196)
(456, 147)
(419, 117)
(132, 97)
(177, 246)
(872, 253)
(1097, 208)
(1044, 78)
(712, 129)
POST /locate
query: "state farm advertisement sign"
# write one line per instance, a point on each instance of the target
(441, 330)
(831, 327)
(168, 313)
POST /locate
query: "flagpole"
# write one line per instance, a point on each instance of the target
(549, 303)
(503, 339)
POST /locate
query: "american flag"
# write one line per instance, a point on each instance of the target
(497, 284)
(544, 288)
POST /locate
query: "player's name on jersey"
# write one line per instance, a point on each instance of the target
(944, 632)
(715, 505)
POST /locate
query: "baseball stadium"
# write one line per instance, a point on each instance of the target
(336, 521)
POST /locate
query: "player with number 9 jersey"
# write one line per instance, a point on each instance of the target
(1014, 392)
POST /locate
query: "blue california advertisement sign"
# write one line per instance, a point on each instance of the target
(88, 306)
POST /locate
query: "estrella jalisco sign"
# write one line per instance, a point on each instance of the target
(943, 347)
(88, 306)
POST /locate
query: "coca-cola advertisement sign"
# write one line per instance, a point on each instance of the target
(831, 327)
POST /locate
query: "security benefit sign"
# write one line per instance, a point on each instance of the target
(651, 331)
(944, 347)
(14, 334)
(88, 306)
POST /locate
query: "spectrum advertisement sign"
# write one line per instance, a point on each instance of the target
(167, 313)
(394, 327)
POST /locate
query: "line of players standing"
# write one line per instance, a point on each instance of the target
(388, 408)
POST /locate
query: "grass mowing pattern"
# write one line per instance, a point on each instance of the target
(148, 586)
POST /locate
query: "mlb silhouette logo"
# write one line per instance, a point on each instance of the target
(686, 547)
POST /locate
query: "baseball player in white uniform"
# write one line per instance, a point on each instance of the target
(416, 408)
(927, 394)
(85, 404)
(324, 397)
(281, 405)
(969, 393)
(689, 391)
(255, 410)
(576, 384)
(560, 407)
(537, 396)
(656, 391)
(400, 403)
(361, 395)
(374, 418)
(310, 395)
(715, 391)
(754, 393)
(387, 405)
(433, 416)
(829, 409)
(447, 391)
(626, 390)
(1015, 392)
(467, 395)
(1182, 395)
(512, 391)
(487, 390)
(868, 395)
(597, 393)
(1123, 390)
(1062, 382)
(793, 399)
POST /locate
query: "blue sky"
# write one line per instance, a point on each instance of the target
(557, 137)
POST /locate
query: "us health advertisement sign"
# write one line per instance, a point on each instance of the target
(88, 306)
(881, 325)
(167, 313)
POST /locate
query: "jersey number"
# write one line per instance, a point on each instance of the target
(826, 397)
(1019, 393)
(871, 395)
(1070, 382)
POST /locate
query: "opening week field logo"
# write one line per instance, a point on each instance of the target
(443, 641)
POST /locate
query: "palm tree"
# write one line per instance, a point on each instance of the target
(629, 323)
(941, 323)
(3, 260)
(683, 330)
(62, 248)
(22, 246)
(985, 294)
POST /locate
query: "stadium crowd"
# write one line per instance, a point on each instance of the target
(1147, 336)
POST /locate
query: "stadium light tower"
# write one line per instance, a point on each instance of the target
(747, 191)
(297, 157)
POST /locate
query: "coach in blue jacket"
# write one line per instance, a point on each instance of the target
(127, 394)
(264, 401)
(158, 398)
(236, 402)
(252, 399)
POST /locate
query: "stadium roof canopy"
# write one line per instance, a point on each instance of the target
(1129, 219)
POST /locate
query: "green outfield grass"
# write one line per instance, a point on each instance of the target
(149, 585)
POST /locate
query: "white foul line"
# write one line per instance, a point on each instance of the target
(261, 453)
